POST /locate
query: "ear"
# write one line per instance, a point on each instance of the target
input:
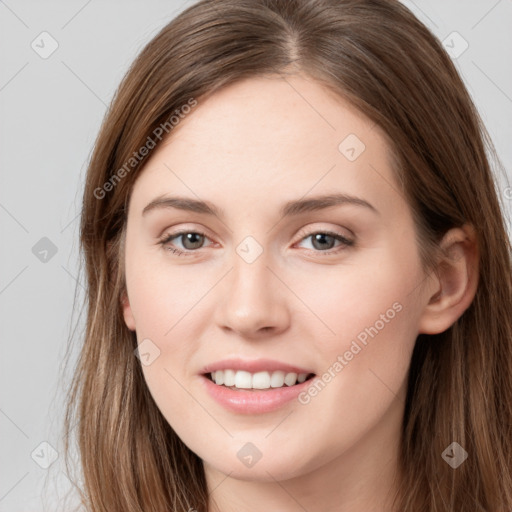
(455, 281)
(127, 312)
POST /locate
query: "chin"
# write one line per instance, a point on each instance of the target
(266, 469)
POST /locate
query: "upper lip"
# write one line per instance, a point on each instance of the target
(253, 366)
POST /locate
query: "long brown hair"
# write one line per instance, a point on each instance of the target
(379, 57)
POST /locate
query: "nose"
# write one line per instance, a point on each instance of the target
(252, 301)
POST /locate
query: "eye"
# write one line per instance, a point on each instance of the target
(191, 240)
(322, 241)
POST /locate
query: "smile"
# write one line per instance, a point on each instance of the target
(244, 380)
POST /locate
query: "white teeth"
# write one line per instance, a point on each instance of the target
(290, 379)
(243, 380)
(229, 377)
(259, 380)
(277, 379)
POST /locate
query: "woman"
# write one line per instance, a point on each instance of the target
(232, 360)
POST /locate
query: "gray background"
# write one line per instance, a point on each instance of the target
(51, 109)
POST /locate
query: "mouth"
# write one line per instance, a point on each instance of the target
(240, 380)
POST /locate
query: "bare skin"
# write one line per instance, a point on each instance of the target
(248, 149)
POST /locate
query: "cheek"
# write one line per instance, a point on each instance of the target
(163, 297)
(365, 363)
(167, 308)
(368, 300)
(372, 318)
(168, 312)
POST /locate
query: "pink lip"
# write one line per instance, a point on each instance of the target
(253, 366)
(253, 402)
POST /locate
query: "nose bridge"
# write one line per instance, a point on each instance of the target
(250, 279)
(252, 299)
(251, 288)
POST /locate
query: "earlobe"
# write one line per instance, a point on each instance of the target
(127, 312)
(456, 281)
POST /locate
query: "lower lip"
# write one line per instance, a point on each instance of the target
(254, 402)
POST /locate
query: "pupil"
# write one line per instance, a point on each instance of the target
(321, 237)
(189, 237)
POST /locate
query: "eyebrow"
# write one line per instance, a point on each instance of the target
(290, 208)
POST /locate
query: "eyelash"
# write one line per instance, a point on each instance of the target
(178, 252)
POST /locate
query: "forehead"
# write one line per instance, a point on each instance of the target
(283, 117)
(264, 137)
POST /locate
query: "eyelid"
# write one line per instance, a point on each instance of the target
(308, 231)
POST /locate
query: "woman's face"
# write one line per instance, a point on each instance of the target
(282, 280)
